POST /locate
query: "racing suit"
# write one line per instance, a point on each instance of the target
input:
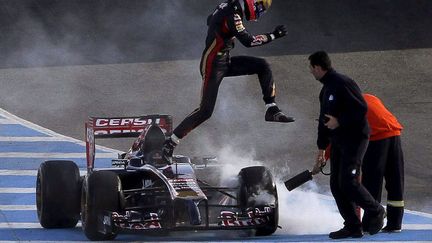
(341, 97)
(384, 159)
(225, 25)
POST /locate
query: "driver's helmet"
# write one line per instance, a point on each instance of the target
(253, 9)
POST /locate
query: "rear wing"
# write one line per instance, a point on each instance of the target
(120, 127)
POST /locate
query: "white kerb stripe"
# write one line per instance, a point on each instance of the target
(67, 241)
(24, 225)
(54, 155)
(26, 172)
(17, 190)
(20, 225)
(17, 207)
(7, 121)
(40, 129)
(427, 215)
(416, 227)
(33, 139)
(363, 241)
(18, 172)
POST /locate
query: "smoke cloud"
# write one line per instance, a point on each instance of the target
(301, 211)
(305, 211)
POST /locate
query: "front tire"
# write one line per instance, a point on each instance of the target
(100, 193)
(58, 194)
(253, 181)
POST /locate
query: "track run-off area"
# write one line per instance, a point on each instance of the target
(24, 146)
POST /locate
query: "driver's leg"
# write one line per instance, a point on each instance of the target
(215, 72)
(247, 65)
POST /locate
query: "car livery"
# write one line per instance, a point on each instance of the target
(140, 193)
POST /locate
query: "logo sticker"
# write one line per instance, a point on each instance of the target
(238, 23)
(259, 40)
(331, 97)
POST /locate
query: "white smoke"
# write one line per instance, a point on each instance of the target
(301, 211)
(233, 161)
(264, 197)
(304, 211)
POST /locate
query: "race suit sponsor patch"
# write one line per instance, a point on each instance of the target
(238, 23)
(259, 40)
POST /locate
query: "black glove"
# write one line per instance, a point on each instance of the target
(279, 31)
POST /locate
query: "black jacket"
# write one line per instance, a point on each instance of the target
(341, 97)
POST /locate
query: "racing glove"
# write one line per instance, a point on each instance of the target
(279, 31)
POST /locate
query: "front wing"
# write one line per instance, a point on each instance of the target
(132, 221)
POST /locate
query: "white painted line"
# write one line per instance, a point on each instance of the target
(13, 225)
(54, 155)
(171, 241)
(32, 139)
(17, 207)
(416, 227)
(67, 241)
(427, 215)
(7, 121)
(25, 225)
(46, 131)
(17, 190)
(18, 172)
(27, 172)
(20, 225)
(176, 240)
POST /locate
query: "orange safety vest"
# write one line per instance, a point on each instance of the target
(383, 124)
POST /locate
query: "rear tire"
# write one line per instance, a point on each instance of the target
(100, 193)
(253, 181)
(58, 194)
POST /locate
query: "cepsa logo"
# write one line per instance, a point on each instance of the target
(122, 125)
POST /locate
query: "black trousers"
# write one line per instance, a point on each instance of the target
(224, 66)
(384, 160)
(346, 160)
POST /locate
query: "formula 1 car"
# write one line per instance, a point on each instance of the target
(140, 193)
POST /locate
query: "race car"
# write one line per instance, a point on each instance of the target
(141, 193)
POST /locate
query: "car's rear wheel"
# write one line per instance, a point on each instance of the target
(100, 194)
(58, 194)
(254, 181)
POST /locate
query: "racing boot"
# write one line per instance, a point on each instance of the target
(168, 148)
(274, 114)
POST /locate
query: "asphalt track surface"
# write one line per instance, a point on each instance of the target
(25, 145)
(63, 61)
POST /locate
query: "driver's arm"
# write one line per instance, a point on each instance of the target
(235, 25)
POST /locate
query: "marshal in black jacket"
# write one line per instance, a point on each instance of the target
(341, 97)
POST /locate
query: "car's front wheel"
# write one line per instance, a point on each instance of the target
(100, 194)
(255, 181)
